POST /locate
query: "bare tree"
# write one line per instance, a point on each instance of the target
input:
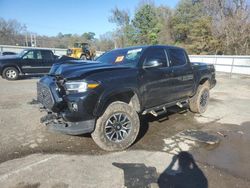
(231, 24)
(11, 32)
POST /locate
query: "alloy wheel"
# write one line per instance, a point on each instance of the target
(118, 127)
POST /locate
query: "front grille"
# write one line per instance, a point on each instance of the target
(44, 96)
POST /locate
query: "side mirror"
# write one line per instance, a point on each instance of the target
(152, 63)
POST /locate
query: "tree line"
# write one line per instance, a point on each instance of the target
(200, 26)
(14, 33)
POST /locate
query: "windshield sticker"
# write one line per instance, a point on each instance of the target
(134, 50)
(119, 59)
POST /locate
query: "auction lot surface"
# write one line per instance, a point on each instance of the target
(30, 156)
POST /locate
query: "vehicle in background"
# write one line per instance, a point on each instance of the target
(106, 97)
(8, 53)
(81, 51)
(28, 62)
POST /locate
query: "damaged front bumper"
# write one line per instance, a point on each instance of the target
(61, 116)
(58, 124)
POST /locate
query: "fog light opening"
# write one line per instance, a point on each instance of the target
(74, 106)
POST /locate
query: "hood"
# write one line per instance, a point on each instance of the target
(9, 57)
(80, 69)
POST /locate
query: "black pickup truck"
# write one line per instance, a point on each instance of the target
(106, 97)
(28, 62)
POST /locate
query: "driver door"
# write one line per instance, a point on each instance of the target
(32, 62)
(156, 81)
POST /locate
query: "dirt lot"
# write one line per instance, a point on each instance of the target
(225, 164)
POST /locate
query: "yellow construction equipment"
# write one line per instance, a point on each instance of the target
(81, 50)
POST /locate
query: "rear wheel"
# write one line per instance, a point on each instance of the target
(199, 102)
(117, 128)
(10, 73)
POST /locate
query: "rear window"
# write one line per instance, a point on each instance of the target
(177, 57)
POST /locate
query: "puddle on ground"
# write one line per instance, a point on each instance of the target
(199, 136)
(188, 139)
(232, 154)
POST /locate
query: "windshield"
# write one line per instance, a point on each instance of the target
(81, 45)
(22, 53)
(121, 56)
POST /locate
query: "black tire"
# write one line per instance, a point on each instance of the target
(101, 134)
(83, 57)
(10, 73)
(199, 102)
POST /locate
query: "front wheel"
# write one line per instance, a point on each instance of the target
(10, 73)
(117, 128)
(83, 57)
(199, 102)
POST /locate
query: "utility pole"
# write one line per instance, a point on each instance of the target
(26, 39)
(33, 39)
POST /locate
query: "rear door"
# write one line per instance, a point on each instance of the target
(182, 73)
(32, 62)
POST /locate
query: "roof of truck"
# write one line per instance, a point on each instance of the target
(148, 46)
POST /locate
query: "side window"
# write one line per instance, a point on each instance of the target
(47, 55)
(33, 55)
(177, 57)
(29, 55)
(157, 53)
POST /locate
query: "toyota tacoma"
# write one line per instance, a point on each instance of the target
(106, 97)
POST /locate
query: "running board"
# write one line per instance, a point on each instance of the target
(159, 110)
(182, 104)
